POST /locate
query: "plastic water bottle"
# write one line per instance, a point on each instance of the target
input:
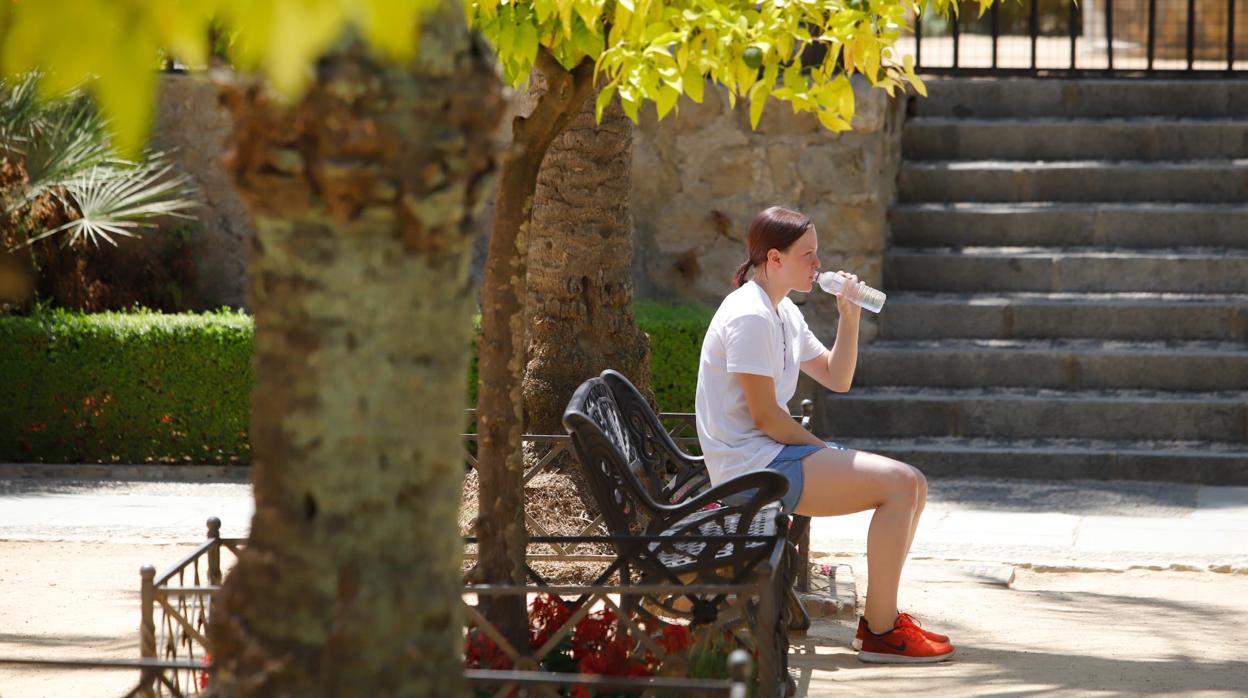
(863, 295)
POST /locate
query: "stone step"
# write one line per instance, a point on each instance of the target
(1200, 181)
(1082, 98)
(1019, 413)
(1199, 462)
(1142, 224)
(942, 138)
(1142, 316)
(1066, 364)
(1066, 269)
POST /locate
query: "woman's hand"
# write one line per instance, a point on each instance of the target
(849, 310)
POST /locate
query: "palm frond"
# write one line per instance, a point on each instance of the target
(118, 200)
(20, 111)
(73, 141)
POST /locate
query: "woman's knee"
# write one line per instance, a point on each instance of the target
(907, 484)
(921, 492)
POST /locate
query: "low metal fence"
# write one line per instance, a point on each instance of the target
(177, 606)
(640, 633)
(1086, 38)
(174, 611)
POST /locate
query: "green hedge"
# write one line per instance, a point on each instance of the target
(675, 343)
(125, 387)
(145, 387)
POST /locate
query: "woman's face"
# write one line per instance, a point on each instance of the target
(796, 266)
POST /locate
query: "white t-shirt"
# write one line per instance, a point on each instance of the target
(747, 335)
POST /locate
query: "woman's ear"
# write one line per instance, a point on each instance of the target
(773, 255)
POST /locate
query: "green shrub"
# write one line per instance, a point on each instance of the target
(146, 387)
(125, 387)
(676, 333)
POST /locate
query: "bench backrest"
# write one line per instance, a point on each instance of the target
(610, 457)
(667, 476)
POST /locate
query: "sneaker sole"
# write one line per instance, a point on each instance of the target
(856, 644)
(884, 658)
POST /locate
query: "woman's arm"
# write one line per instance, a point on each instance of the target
(835, 368)
(773, 420)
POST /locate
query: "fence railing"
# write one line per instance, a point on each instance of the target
(625, 609)
(1088, 38)
(174, 612)
(177, 605)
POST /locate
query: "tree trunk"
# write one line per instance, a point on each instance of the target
(500, 525)
(580, 295)
(362, 196)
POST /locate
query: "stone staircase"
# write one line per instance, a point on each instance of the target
(1068, 285)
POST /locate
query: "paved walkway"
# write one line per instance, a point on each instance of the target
(1069, 525)
(1000, 565)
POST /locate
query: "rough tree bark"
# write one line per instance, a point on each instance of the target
(580, 284)
(500, 524)
(362, 196)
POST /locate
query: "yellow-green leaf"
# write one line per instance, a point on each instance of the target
(565, 16)
(604, 98)
(693, 82)
(908, 66)
(630, 108)
(526, 43)
(665, 100)
(391, 26)
(760, 92)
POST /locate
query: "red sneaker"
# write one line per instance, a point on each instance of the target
(901, 618)
(904, 644)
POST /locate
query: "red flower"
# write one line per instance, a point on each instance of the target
(598, 648)
(673, 638)
(480, 652)
(546, 615)
(203, 675)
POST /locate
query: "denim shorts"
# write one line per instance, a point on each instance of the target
(789, 464)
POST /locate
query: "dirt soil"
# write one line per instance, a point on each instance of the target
(552, 499)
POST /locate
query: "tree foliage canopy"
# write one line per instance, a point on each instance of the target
(117, 44)
(644, 50)
(656, 50)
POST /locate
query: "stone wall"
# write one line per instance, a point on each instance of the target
(191, 126)
(700, 177)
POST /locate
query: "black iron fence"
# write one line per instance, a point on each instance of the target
(1084, 38)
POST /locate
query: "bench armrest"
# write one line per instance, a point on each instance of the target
(770, 486)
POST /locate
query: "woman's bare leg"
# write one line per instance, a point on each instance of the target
(844, 482)
(920, 501)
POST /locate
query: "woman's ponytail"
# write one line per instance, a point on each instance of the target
(776, 228)
(738, 279)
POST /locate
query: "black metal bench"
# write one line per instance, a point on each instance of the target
(673, 476)
(635, 473)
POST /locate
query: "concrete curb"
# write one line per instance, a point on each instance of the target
(833, 594)
(154, 472)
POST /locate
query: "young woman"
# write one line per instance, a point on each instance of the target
(756, 343)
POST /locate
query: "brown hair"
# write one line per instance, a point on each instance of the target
(776, 228)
